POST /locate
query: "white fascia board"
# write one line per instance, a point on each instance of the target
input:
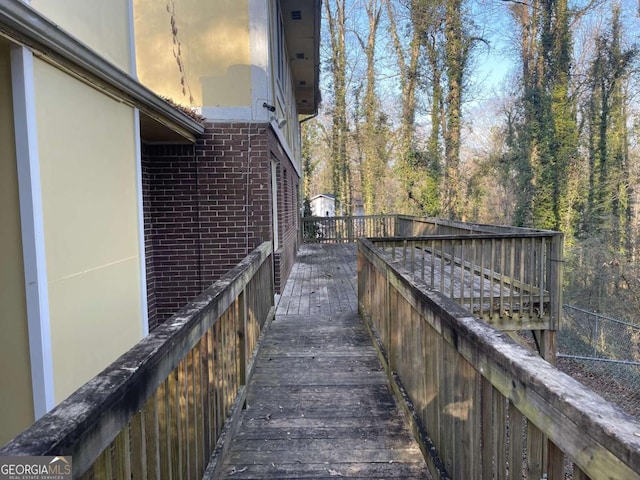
(32, 224)
(141, 239)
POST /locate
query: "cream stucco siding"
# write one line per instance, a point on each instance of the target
(16, 402)
(207, 54)
(102, 25)
(89, 194)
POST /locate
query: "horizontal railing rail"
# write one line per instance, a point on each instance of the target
(346, 229)
(410, 226)
(489, 407)
(158, 411)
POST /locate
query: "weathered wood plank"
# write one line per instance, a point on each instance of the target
(138, 447)
(152, 436)
(318, 404)
(500, 437)
(535, 451)
(556, 462)
(331, 452)
(488, 429)
(121, 457)
(259, 428)
(516, 442)
(164, 427)
(579, 474)
(328, 472)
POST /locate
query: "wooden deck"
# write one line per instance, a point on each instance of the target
(318, 405)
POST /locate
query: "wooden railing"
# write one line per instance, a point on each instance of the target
(347, 229)
(158, 411)
(511, 280)
(482, 405)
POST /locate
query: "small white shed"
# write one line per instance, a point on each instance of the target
(323, 205)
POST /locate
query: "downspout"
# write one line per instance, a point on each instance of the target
(310, 117)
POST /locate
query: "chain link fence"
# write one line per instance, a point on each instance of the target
(602, 353)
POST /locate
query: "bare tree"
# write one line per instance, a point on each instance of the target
(373, 130)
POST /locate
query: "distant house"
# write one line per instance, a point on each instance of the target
(118, 207)
(323, 205)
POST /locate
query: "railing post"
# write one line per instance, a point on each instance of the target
(595, 337)
(388, 321)
(242, 335)
(556, 266)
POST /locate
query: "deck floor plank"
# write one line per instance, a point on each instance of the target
(318, 404)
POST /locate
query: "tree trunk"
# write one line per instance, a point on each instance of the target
(341, 176)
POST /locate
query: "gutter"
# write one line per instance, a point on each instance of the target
(22, 24)
(310, 117)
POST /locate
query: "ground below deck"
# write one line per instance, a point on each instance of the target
(318, 405)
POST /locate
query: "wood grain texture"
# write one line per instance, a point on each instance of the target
(318, 403)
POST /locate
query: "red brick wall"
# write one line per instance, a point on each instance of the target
(207, 206)
(234, 173)
(170, 200)
(148, 237)
(288, 213)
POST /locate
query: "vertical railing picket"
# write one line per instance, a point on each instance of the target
(432, 254)
(442, 265)
(412, 247)
(521, 280)
(481, 309)
(541, 275)
(422, 256)
(452, 264)
(531, 281)
(512, 260)
(462, 270)
(492, 269)
(502, 277)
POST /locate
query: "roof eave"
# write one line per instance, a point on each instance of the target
(22, 24)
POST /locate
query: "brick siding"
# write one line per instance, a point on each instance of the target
(206, 206)
(288, 213)
(170, 201)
